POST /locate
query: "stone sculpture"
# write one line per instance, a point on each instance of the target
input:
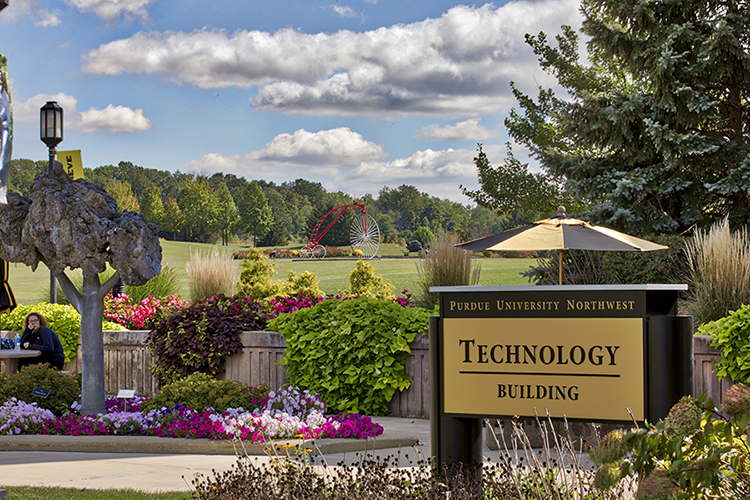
(75, 224)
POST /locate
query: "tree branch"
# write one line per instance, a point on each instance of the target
(107, 286)
(70, 291)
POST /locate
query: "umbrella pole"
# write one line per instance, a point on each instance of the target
(559, 253)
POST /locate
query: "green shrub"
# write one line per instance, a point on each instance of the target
(64, 388)
(200, 337)
(62, 319)
(256, 282)
(200, 391)
(364, 283)
(351, 352)
(720, 264)
(211, 273)
(693, 453)
(255, 276)
(445, 265)
(306, 282)
(731, 336)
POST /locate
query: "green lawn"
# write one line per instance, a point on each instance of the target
(43, 493)
(32, 287)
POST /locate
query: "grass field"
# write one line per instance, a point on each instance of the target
(32, 287)
(42, 493)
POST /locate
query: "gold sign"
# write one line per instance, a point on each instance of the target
(72, 163)
(588, 368)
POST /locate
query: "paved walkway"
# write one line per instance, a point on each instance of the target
(109, 467)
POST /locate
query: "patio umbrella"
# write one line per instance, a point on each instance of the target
(7, 300)
(561, 233)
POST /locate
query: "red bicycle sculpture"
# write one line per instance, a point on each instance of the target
(364, 234)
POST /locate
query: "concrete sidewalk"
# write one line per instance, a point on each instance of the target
(172, 464)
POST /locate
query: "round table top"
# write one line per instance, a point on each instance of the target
(23, 353)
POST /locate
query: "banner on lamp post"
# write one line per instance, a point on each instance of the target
(72, 163)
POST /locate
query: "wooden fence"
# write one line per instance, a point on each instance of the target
(127, 365)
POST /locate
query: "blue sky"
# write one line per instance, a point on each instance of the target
(354, 94)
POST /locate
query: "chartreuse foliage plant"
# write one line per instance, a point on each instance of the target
(200, 337)
(363, 282)
(256, 279)
(351, 352)
(731, 336)
(62, 319)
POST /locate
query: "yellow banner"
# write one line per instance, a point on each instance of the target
(72, 163)
(579, 368)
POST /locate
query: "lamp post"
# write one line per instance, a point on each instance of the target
(51, 133)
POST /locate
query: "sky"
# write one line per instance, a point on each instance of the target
(355, 94)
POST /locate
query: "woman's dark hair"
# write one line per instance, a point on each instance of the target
(42, 320)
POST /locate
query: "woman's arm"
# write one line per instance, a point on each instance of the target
(45, 341)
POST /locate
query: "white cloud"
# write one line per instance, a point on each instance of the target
(319, 153)
(28, 111)
(114, 119)
(109, 10)
(110, 119)
(344, 11)
(18, 9)
(469, 130)
(438, 173)
(458, 64)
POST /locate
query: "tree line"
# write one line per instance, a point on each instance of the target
(224, 207)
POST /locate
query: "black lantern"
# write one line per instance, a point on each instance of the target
(51, 124)
(3, 4)
(51, 133)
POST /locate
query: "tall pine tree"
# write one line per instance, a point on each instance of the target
(654, 129)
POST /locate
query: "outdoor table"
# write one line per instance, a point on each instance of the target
(9, 357)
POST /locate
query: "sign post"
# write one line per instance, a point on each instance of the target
(598, 353)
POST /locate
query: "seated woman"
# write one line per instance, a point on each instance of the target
(38, 337)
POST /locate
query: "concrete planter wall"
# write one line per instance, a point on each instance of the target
(127, 365)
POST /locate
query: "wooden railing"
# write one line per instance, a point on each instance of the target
(127, 365)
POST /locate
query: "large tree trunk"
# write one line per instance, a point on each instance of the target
(90, 304)
(92, 348)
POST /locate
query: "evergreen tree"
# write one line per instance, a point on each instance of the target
(654, 128)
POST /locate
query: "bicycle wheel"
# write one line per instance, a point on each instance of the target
(364, 235)
(318, 252)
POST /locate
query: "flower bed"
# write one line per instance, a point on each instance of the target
(285, 414)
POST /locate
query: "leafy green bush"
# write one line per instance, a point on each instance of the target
(695, 452)
(200, 337)
(731, 336)
(255, 276)
(364, 283)
(62, 319)
(64, 388)
(351, 352)
(256, 282)
(200, 391)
